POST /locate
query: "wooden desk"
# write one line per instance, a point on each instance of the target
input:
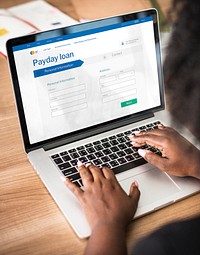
(30, 221)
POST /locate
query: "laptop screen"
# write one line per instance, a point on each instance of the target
(91, 74)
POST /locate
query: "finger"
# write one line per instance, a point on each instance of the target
(154, 159)
(96, 172)
(148, 138)
(161, 126)
(85, 174)
(134, 193)
(108, 173)
(74, 189)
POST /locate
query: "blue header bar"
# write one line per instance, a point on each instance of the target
(81, 33)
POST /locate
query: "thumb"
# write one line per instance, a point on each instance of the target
(154, 159)
(134, 193)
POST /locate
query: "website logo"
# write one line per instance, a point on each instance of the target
(32, 52)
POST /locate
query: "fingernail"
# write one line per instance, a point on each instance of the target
(63, 178)
(136, 184)
(136, 132)
(142, 152)
(79, 163)
(133, 143)
(88, 164)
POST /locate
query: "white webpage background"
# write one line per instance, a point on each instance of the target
(119, 66)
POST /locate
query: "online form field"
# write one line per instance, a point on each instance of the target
(67, 99)
(59, 93)
(57, 112)
(124, 92)
(116, 86)
(119, 85)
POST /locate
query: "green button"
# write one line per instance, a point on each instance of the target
(129, 102)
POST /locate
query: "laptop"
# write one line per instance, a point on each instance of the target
(80, 91)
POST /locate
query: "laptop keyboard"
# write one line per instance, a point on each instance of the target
(115, 151)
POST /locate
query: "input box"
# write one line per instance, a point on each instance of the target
(67, 99)
(119, 85)
(66, 91)
(57, 112)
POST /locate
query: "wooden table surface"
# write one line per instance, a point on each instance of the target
(30, 221)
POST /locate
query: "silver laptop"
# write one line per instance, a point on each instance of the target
(80, 91)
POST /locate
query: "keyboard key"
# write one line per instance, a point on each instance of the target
(72, 151)
(114, 142)
(121, 153)
(99, 154)
(83, 159)
(80, 148)
(122, 146)
(112, 137)
(113, 156)
(98, 147)
(69, 171)
(121, 160)
(64, 166)
(128, 151)
(128, 132)
(106, 145)
(63, 153)
(104, 140)
(120, 135)
(74, 162)
(136, 155)
(74, 177)
(105, 159)
(156, 123)
(129, 157)
(91, 157)
(106, 164)
(97, 162)
(88, 145)
(58, 161)
(150, 125)
(128, 144)
(114, 163)
(121, 140)
(107, 151)
(97, 142)
(90, 150)
(114, 149)
(66, 158)
(55, 156)
(75, 155)
(135, 129)
(83, 153)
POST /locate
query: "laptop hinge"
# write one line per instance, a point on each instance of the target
(96, 130)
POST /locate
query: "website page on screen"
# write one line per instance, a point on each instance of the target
(83, 79)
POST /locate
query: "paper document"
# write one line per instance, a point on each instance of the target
(29, 18)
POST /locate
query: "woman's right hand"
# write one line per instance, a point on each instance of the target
(179, 156)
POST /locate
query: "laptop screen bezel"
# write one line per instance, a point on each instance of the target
(96, 129)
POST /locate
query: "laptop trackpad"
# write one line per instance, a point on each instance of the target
(153, 184)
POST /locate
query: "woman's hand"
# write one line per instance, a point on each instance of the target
(179, 156)
(107, 207)
(103, 200)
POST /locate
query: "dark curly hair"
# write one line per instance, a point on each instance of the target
(182, 64)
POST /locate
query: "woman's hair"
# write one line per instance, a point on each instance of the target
(182, 64)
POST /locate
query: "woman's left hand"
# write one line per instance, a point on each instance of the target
(103, 200)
